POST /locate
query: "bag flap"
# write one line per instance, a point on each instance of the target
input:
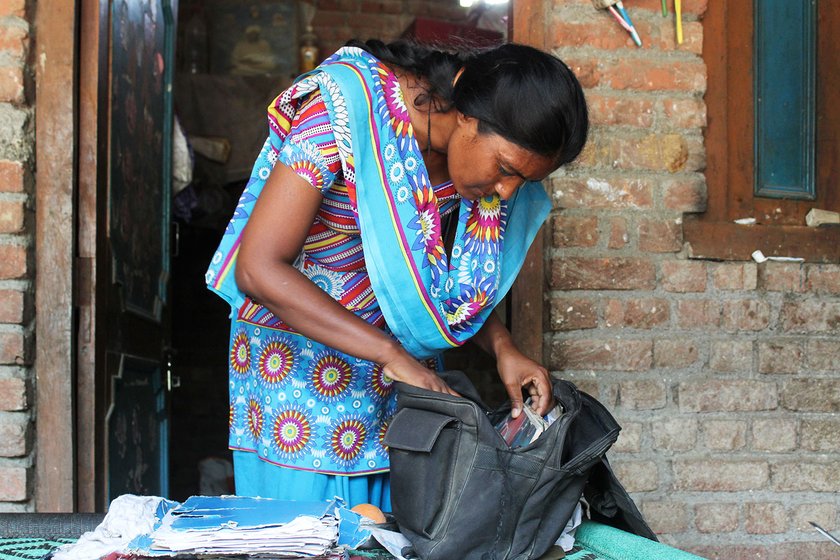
(611, 504)
(412, 429)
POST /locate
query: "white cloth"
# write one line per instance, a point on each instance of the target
(128, 517)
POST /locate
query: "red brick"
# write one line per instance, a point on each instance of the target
(781, 277)
(630, 438)
(683, 276)
(11, 216)
(727, 396)
(799, 476)
(13, 394)
(11, 306)
(685, 113)
(731, 356)
(11, 84)
(643, 394)
(774, 434)
(598, 33)
(684, 195)
(823, 514)
(689, 7)
(824, 279)
(575, 231)
(573, 314)
(639, 74)
(578, 273)
(697, 313)
(14, 40)
(595, 193)
(812, 395)
(823, 355)
(637, 476)
(612, 354)
(674, 353)
(618, 110)
(11, 176)
(12, 8)
(765, 518)
(780, 356)
(657, 236)
(637, 313)
(735, 276)
(823, 550)
(14, 431)
(716, 518)
(725, 435)
(674, 434)
(705, 475)
(12, 348)
(746, 315)
(821, 435)
(13, 484)
(665, 517)
(810, 316)
(12, 261)
(660, 152)
(619, 237)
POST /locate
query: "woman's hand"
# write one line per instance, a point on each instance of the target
(517, 371)
(405, 368)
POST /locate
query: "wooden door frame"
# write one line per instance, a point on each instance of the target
(71, 53)
(56, 131)
(527, 297)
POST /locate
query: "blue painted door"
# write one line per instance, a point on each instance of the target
(138, 193)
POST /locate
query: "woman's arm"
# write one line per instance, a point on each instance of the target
(515, 369)
(272, 240)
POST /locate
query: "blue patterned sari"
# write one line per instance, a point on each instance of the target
(430, 301)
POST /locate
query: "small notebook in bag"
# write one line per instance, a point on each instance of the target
(459, 491)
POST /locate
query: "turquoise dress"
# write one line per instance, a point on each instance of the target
(376, 247)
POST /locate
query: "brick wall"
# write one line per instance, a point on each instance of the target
(16, 227)
(725, 376)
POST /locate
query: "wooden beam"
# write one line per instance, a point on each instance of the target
(733, 242)
(54, 239)
(527, 294)
(93, 100)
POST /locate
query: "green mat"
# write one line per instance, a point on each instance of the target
(593, 542)
(29, 549)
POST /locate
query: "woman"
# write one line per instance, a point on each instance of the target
(388, 212)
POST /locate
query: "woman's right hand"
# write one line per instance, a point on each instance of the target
(405, 368)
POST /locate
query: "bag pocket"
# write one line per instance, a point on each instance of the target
(423, 450)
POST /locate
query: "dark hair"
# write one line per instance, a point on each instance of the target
(523, 94)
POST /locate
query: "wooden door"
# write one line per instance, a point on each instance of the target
(137, 245)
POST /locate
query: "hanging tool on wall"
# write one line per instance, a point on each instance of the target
(616, 8)
(678, 15)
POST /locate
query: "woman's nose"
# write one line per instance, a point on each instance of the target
(506, 188)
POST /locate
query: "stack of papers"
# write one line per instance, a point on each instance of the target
(222, 525)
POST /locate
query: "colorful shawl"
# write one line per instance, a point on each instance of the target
(430, 301)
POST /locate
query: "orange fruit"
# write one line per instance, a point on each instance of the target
(370, 511)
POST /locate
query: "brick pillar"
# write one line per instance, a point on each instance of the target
(16, 187)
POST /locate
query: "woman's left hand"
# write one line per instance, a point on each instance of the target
(517, 371)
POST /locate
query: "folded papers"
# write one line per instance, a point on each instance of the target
(228, 525)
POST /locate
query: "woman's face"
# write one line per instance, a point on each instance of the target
(481, 164)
